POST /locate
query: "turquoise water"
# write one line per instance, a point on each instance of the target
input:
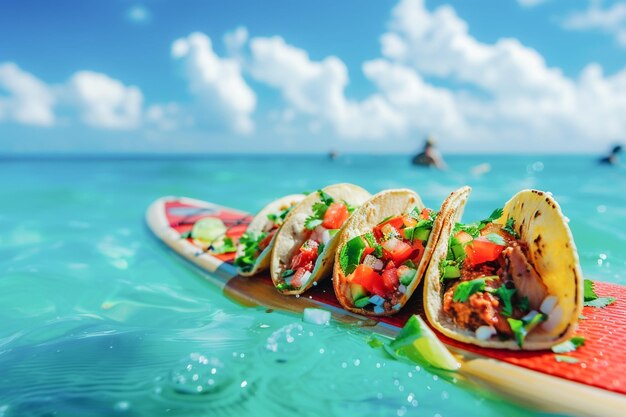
(97, 319)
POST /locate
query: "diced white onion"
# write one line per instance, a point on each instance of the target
(530, 316)
(554, 319)
(548, 304)
(374, 262)
(485, 332)
(377, 300)
(397, 307)
(378, 310)
(391, 244)
(402, 288)
(325, 236)
(305, 278)
(316, 316)
(318, 234)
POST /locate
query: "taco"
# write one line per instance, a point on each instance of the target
(383, 252)
(305, 246)
(511, 281)
(255, 245)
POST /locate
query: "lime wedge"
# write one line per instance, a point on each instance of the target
(417, 342)
(208, 229)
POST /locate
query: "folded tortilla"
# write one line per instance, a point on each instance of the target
(384, 205)
(262, 224)
(293, 234)
(549, 250)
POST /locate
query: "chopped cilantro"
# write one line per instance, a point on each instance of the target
(279, 217)
(592, 299)
(350, 255)
(521, 328)
(320, 248)
(328, 200)
(466, 288)
(314, 220)
(250, 251)
(600, 302)
(590, 294)
(505, 295)
(510, 227)
(186, 235)
(524, 304)
(225, 246)
(569, 345)
(283, 286)
(410, 264)
(566, 359)
(350, 207)
(496, 238)
(371, 240)
(495, 215)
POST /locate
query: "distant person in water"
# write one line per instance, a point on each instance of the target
(611, 158)
(430, 156)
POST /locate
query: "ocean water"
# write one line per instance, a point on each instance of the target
(98, 319)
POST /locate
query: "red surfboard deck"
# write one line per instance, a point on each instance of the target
(601, 361)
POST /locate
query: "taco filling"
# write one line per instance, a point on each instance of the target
(489, 285)
(379, 265)
(327, 218)
(254, 243)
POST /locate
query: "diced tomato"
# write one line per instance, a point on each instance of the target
(482, 250)
(418, 252)
(369, 279)
(397, 250)
(425, 214)
(335, 215)
(463, 237)
(396, 222)
(390, 265)
(390, 279)
(306, 256)
(408, 221)
(267, 239)
(296, 281)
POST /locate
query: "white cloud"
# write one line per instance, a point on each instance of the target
(104, 102)
(169, 116)
(316, 88)
(522, 101)
(611, 20)
(28, 101)
(217, 82)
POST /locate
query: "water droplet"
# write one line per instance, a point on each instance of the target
(244, 384)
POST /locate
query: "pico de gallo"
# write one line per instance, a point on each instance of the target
(320, 227)
(380, 265)
(489, 286)
(255, 243)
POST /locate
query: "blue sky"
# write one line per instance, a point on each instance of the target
(283, 76)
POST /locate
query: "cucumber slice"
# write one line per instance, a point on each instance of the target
(421, 233)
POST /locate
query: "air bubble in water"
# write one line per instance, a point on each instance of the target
(199, 374)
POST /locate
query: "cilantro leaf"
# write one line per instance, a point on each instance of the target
(326, 199)
(566, 359)
(569, 345)
(524, 304)
(287, 273)
(278, 218)
(320, 248)
(510, 227)
(250, 250)
(225, 246)
(317, 218)
(466, 288)
(592, 299)
(517, 326)
(371, 241)
(600, 302)
(496, 238)
(495, 215)
(505, 295)
(350, 255)
(590, 294)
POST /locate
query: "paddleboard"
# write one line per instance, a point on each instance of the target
(595, 385)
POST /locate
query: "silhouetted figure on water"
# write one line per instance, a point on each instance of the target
(430, 156)
(611, 158)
